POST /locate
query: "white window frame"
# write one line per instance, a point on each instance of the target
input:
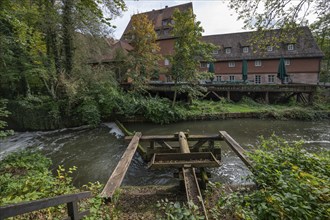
(245, 49)
(257, 79)
(257, 63)
(218, 78)
(166, 62)
(231, 78)
(271, 79)
(231, 64)
(204, 65)
(287, 62)
(290, 47)
(228, 50)
(286, 79)
(215, 52)
(270, 48)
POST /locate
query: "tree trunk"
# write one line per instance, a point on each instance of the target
(175, 93)
(68, 30)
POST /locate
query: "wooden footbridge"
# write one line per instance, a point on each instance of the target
(191, 161)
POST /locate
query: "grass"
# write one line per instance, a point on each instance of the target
(279, 111)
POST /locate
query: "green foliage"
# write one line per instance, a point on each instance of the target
(35, 112)
(89, 112)
(25, 176)
(157, 109)
(176, 211)
(292, 184)
(4, 114)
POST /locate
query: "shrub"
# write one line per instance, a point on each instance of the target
(293, 184)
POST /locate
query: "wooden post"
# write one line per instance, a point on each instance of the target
(184, 147)
(228, 95)
(73, 210)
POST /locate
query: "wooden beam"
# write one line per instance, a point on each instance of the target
(216, 95)
(175, 138)
(240, 152)
(30, 206)
(199, 144)
(118, 174)
(164, 144)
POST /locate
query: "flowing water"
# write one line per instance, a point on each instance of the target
(96, 152)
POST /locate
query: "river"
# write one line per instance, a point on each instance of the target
(96, 151)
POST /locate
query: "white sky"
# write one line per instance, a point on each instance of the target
(214, 15)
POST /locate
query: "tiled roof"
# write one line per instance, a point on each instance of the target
(157, 16)
(305, 46)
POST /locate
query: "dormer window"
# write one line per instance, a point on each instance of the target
(215, 52)
(269, 48)
(245, 49)
(290, 46)
(228, 50)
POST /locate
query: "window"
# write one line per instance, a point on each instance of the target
(286, 80)
(231, 64)
(228, 50)
(257, 79)
(164, 22)
(215, 52)
(204, 65)
(218, 78)
(245, 49)
(290, 46)
(257, 63)
(269, 48)
(158, 32)
(287, 62)
(166, 62)
(166, 31)
(168, 78)
(231, 78)
(271, 78)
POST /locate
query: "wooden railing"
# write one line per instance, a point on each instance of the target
(71, 200)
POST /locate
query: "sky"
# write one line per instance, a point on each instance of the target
(214, 15)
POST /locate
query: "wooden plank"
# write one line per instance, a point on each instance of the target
(118, 174)
(25, 207)
(73, 211)
(240, 152)
(175, 138)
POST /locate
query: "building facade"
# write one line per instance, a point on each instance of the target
(302, 55)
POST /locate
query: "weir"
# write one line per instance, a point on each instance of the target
(162, 153)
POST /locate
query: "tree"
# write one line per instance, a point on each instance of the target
(37, 40)
(270, 14)
(321, 31)
(189, 51)
(144, 57)
(284, 14)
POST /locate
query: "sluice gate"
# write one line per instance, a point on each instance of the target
(190, 160)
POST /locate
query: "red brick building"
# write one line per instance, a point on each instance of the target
(302, 57)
